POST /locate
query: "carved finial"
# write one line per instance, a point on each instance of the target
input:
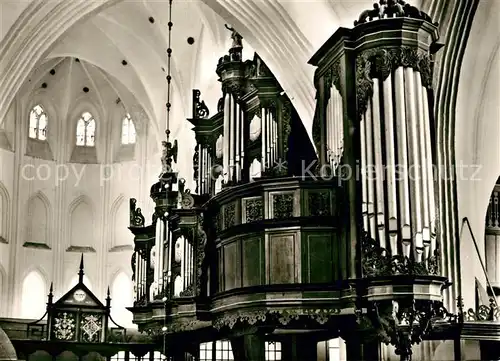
(200, 109)
(81, 272)
(237, 38)
(390, 9)
(169, 153)
(136, 217)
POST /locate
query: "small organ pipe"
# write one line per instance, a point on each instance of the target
(268, 139)
(237, 136)
(241, 117)
(231, 138)
(225, 146)
(263, 138)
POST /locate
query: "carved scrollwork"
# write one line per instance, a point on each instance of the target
(283, 317)
(136, 217)
(405, 322)
(200, 109)
(484, 313)
(376, 261)
(319, 204)
(286, 125)
(229, 215)
(390, 9)
(254, 210)
(379, 63)
(200, 253)
(283, 205)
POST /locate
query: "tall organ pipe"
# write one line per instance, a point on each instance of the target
(379, 166)
(402, 143)
(390, 165)
(416, 174)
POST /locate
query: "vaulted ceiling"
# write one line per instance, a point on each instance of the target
(111, 33)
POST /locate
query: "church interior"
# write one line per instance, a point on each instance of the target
(257, 180)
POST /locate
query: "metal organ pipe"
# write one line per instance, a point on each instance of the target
(379, 166)
(263, 138)
(370, 180)
(402, 144)
(414, 162)
(426, 238)
(231, 138)
(432, 205)
(225, 146)
(364, 180)
(398, 205)
(237, 140)
(392, 207)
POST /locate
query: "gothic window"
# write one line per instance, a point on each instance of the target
(128, 130)
(122, 297)
(38, 123)
(85, 130)
(273, 351)
(334, 349)
(33, 296)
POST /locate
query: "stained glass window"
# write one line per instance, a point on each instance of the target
(128, 130)
(38, 123)
(85, 130)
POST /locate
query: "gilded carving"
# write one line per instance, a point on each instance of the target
(136, 217)
(377, 261)
(379, 63)
(229, 215)
(282, 316)
(319, 203)
(254, 209)
(283, 205)
(286, 125)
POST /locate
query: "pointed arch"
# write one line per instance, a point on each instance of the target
(33, 294)
(5, 212)
(128, 130)
(3, 291)
(120, 237)
(39, 216)
(121, 291)
(81, 224)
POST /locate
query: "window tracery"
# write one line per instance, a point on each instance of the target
(128, 131)
(85, 130)
(38, 123)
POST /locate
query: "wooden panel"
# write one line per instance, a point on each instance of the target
(253, 262)
(318, 258)
(220, 265)
(282, 259)
(232, 266)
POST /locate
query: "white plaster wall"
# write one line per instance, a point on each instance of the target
(477, 134)
(105, 188)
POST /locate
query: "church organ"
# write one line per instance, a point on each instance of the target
(274, 241)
